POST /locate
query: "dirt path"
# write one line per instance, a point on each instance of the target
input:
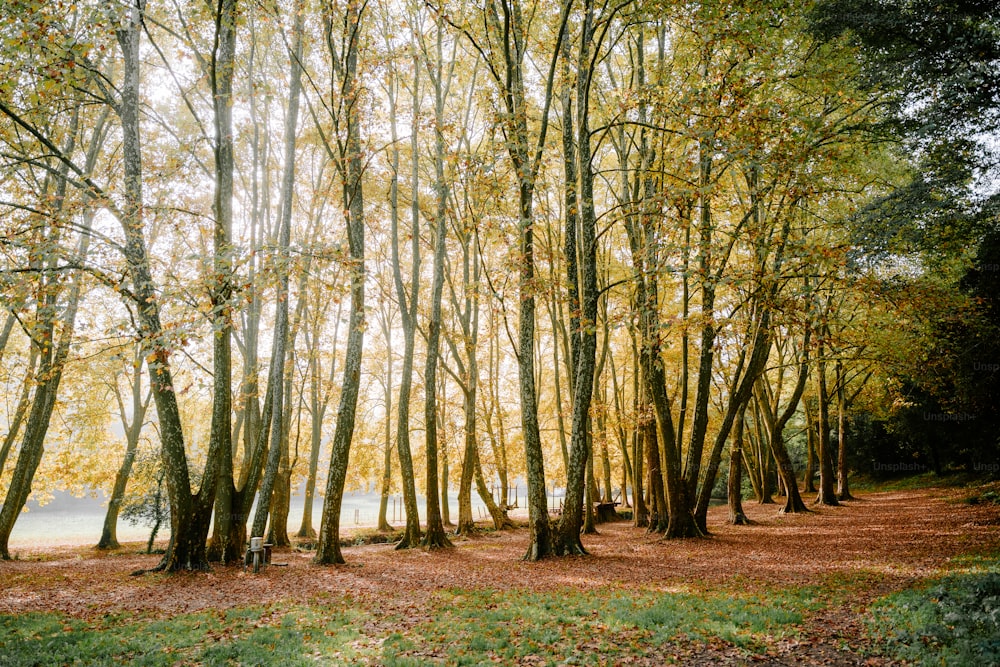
(893, 538)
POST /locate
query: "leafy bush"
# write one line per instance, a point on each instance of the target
(955, 621)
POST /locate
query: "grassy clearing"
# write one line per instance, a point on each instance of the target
(572, 627)
(460, 627)
(979, 488)
(953, 619)
(248, 636)
(927, 480)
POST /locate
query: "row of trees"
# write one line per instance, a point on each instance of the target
(645, 220)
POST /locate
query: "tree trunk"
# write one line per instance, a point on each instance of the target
(640, 407)
(508, 47)
(706, 355)
(318, 398)
(470, 458)
(280, 396)
(21, 411)
(843, 488)
(328, 544)
(810, 484)
(539, 539)
(621, 434)
(435, 536)
(734, 486)
(827, 495)
(383, 504)
(466, 522)
(133, 429)
(468, 311)
(776, 426)
(281, 496)
(49, 352)
(567, 540)
(189, 513)
(36, 427)
(408, 311)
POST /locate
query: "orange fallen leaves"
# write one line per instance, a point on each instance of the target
(890, 539)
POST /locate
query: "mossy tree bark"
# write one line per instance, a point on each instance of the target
(351, 167)
(734, 483)
(826, 495)
(279, 386)
(584, 332)
(435, 536)
(506, 51)
(408, 306)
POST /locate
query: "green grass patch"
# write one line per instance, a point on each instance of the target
(296, 635)
(951, 620)
(593, 627)
(979, 489)
(454, 627)
(925, 480)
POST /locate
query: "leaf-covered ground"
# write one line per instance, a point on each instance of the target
(786, 590)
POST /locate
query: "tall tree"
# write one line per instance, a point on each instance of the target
(505, 49)
(352, 167)
(407, 302)
(585, 337)
(279, 352)
(441, 81)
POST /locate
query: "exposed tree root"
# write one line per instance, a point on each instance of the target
(739, 519)
(408, 542)
(436, 540)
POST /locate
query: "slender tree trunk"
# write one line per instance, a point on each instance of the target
(470, 385)
(51, 338)
(827, 495)
(843, 488)
(539, 541)
(279, 351)
(567, 540)
(383, 504)
(621, 433)
(706, 355)
(776, 426)
(408, 310)
(281, 496)
(21, 411)
(445, 472)
(640, 408)
(590, 495)
(734, 487)
(659, 513)
(509, 48)
(8, 326)
(133, 429)
(328, 544)
(318, 399)
(189, 513)
(435, 536)
(810, 484)
(52, 354)
(466, 522)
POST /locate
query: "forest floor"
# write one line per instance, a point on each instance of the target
(787, 590)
